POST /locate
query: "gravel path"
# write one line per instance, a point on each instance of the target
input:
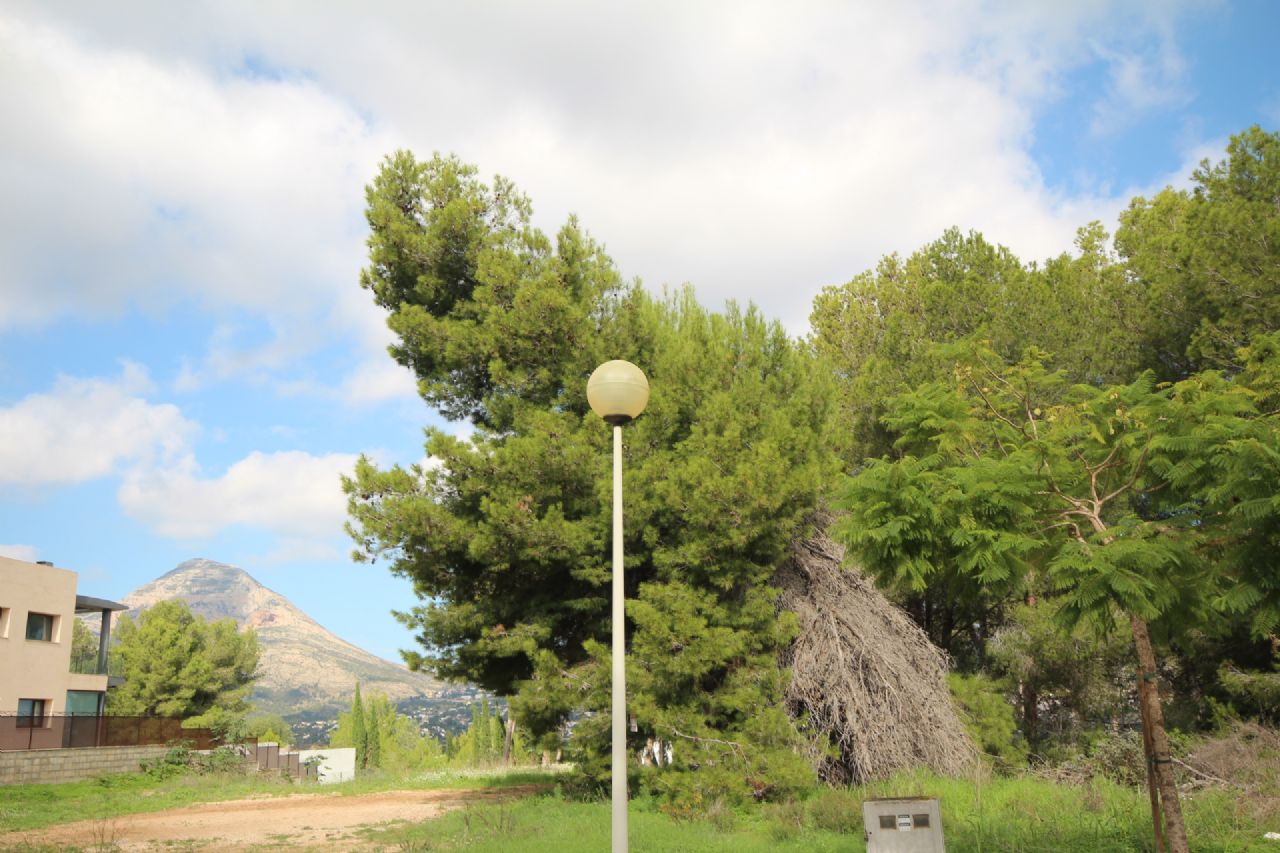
(320, 821)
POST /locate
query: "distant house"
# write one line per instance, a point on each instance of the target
(38, 678)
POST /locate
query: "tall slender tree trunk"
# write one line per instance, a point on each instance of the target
(1149, 755)
(1030, 698)
(1159, 760)
(1030, 714)
(508, 740)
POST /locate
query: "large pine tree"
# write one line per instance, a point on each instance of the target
(507, 538)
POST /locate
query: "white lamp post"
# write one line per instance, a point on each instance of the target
(618, 392)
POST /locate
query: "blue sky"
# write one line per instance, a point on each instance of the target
(187, 363)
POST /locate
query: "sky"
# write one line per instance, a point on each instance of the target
(188, 363)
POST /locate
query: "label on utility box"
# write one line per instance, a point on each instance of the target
(904, 822)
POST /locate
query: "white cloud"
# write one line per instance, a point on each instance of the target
(378, 379)
(19, 552)
(755, 149)
(290, 550)
(1140, 82)
(138, 180)
(292, 494)
(88, 428)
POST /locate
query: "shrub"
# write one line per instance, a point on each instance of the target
(1253, 692)
(786, 820)
(176, 760)
(224, 759)
(721, 815)
(989, 717)
(836, 811)
(1120, 759)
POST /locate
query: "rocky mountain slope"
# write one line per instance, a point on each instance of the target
(304, 668)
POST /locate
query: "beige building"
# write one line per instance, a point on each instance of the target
(40, 683)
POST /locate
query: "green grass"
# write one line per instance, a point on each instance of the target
(1021, 815)
(549, 824)
(35, 806)
(1003, 814)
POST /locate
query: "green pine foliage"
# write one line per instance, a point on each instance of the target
(270, 728)
(507, 539)
(175, 664)
(1066, 681)
(1004, 443)
(990, 719)
(1126, 497)
(1253, 692)
(84, 648)
(1207, 260)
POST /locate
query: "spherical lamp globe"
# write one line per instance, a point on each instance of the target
(618, 391)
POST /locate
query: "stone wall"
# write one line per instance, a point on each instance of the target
(68, 765)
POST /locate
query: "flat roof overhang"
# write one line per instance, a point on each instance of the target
(89, 604)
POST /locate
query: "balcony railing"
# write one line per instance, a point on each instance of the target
(87, 664)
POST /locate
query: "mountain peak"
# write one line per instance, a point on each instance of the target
(204, 564)
(303, 666)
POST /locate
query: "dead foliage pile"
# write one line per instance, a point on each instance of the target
(1244, 757)
(864, 678)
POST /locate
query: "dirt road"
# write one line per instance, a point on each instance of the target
(320, 821)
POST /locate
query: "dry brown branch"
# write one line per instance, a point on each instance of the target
(1137, 469)
(734, 745)
(1206, 776)
(991, 407)
(864, 677)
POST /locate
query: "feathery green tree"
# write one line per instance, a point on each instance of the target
(1137, 501)
(881, 334)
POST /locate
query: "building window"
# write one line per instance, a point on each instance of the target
(84, 703)
(4, 623)
(40, 627)
(30, 713)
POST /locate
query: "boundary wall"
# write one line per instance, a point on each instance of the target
(40, 766)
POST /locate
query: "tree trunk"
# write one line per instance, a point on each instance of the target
(1030, 714)
(1030, 697)
(1148, 753)
(508, 740)
(1160, 761)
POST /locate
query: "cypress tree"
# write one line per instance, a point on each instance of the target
(359, 731)
(373, 728)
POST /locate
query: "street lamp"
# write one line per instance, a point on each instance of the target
(618, 392)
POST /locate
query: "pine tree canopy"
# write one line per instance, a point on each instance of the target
(175, 664)
(506, 535)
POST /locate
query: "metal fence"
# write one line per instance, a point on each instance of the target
(62, 731)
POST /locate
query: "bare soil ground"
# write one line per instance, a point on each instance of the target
(305, 821)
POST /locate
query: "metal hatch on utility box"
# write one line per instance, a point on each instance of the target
(903, 825)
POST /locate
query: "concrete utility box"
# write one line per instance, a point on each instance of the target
(903, 825)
